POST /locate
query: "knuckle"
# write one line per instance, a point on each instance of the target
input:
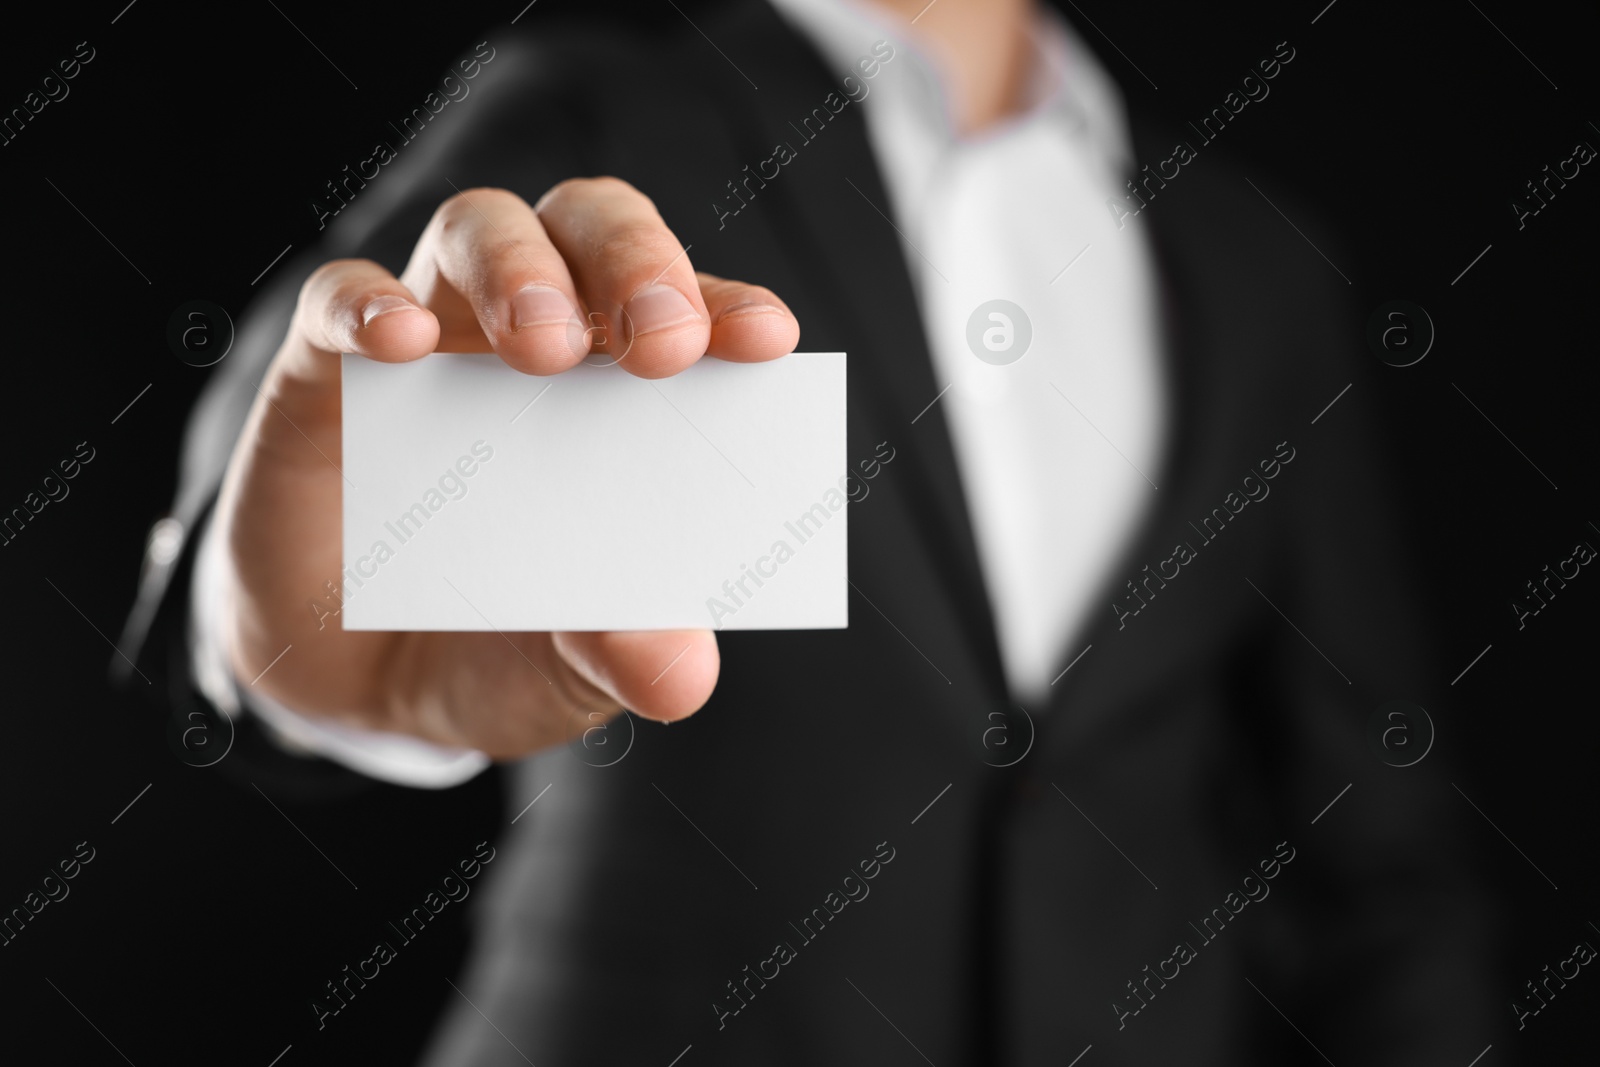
(466, 203)
(459, 721)
(335, 280)
(600, 187)
(609, 185)
(508, 260)
(560, 193)
(320, 279)
(631, 243)
(758, 293)
(464, 199)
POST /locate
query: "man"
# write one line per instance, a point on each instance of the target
(1055, 786)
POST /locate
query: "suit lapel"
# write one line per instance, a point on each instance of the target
(827, 214)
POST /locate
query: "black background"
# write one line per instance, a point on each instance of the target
(195, 144)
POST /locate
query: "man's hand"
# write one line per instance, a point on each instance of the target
(591, 267)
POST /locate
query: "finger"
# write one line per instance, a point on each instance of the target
(485, 264)
(749, 324)
(631, 272)
(659, 674)
(354, 305)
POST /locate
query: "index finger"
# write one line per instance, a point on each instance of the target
(632, 273)
(354, 305)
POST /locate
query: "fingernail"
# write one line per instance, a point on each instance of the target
(657, 307)
(540, 305)
(751, 308)
(382, 306)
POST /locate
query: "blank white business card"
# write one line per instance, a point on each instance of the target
(480, 498)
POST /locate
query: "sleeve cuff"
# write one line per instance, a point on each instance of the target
(389, 757)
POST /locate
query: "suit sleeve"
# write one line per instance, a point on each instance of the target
(518, 126)
(1399, 934)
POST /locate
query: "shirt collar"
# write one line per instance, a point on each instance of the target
(1066, 86)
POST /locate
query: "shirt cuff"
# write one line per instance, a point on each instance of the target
(389, 757)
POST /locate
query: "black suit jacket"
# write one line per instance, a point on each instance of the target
(1033, 909)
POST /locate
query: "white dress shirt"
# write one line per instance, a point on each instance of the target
(1056, 449)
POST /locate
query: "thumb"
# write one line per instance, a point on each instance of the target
(349, 305)
(664, 675)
